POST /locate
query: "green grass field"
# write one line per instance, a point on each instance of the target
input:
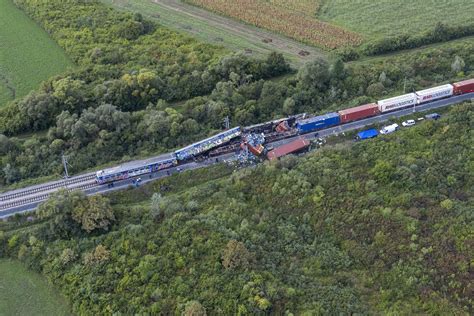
(393, 17)
(27, 54)
(23, 292)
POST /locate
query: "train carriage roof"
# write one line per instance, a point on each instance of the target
(135, 164)
(209, 139)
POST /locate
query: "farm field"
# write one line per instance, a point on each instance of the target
(27, 54)
(219, 30)
(23, 292)
(285, 17)
(395, 17)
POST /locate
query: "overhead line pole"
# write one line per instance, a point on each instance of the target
(65, 163)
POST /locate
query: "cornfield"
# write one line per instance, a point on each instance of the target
(294, 19)
(306, 7)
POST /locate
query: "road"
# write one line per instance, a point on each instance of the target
(93, 188)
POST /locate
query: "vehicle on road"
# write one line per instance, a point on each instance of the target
(408, 123)
(370, 133)
(389, 129)
(432, 116)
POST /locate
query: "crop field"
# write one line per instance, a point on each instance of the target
(295, 19)
(220, 30)
(393, 17)
(23, 292)
(27, 54)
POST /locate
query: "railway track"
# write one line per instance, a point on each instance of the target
(15, 201)
(42, 192)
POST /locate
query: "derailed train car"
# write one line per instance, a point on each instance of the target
(207, 144)
(283, 128)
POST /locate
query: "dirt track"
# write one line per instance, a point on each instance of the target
(256, 35)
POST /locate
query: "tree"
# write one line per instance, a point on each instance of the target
(131, 30)
(99, 255)
(68, 255)
(5, 144)
(69, 212)
(375, 89)
(70, 93)
(236, 256)
(338, 70)
(458, 64)
(194, 308)
(39, 109)
(276, 65)
(289, 106)
(155, 206)
(314, 75)
(10, 173)
(93, 213)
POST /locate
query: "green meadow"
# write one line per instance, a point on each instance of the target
(23, 292)
(28, 55)
(394, 17)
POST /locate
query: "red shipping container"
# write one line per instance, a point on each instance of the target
(358, 112)
(289, 148)
(462, 87)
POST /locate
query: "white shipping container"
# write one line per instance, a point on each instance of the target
(397, 102)
(434, 93)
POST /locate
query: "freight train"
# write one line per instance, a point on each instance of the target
(229, 141)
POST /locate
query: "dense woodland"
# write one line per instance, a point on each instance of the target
(292, 237)
(140, 89)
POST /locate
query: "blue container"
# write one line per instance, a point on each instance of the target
(370, 133)
(317, 122)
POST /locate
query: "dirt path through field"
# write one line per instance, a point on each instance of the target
(260, 36)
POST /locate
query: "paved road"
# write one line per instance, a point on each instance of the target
(321, 133)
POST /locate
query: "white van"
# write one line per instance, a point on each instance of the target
(389, 129)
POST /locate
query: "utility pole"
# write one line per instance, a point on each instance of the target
(227, 122)
(65, 163)
(414, 104)
(404, 84)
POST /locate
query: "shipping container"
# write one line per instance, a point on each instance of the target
(397, 102)
(370, 133)
(434, 93)
(358, 112)
(292, 147)
(317, 122)
(466, 86)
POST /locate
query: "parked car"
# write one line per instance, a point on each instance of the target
(389, 129)
(432, 116)
(408, 123)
